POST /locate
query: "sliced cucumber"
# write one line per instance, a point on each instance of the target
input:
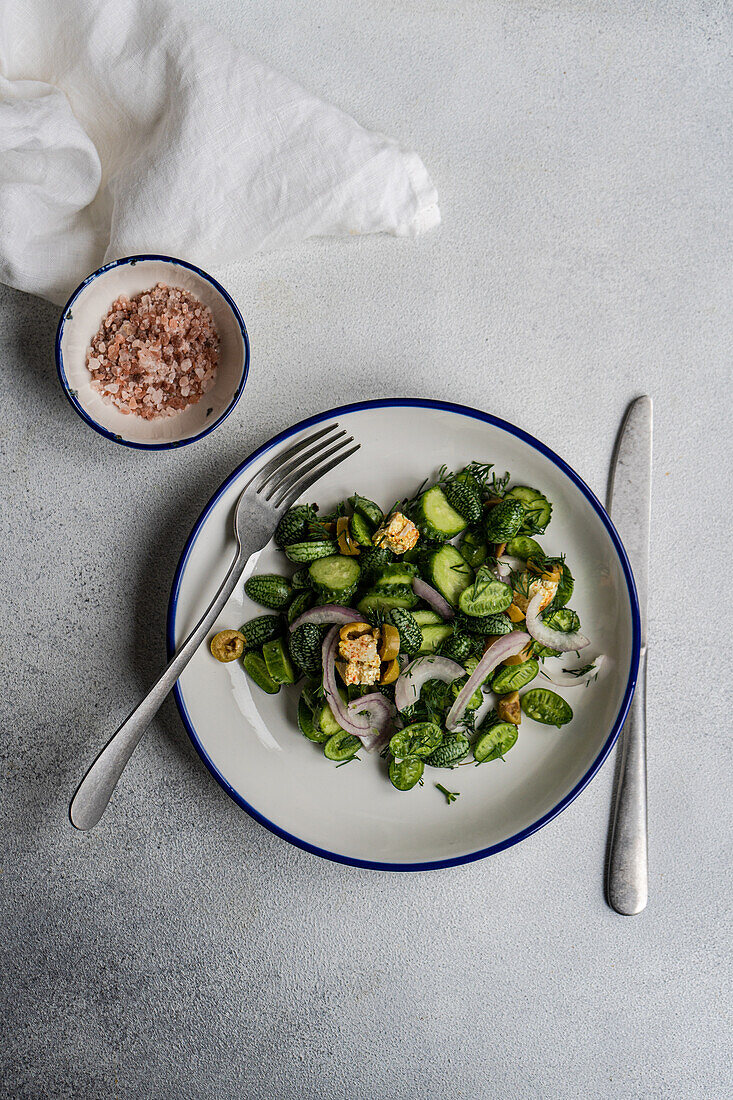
(398, 596)
(306, 725)
(309, 551)
(269, 589)
(433, 636)
(537, 509)
(279, 665)
(486, 596)
(449, 573)
(564, 588)
(256, 669)
(435, 517)
(398, 573)
(334, 578)
(427, 618)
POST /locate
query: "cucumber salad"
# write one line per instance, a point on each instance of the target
(415, 633)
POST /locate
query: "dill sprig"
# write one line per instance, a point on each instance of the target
(450, 796)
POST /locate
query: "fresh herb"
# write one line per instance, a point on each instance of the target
(450, 796)
(349, 761)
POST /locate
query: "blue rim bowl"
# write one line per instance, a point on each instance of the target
(616, 727)
(217, 293)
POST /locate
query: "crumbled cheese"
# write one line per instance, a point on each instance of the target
(399, 534)
(545, 585)
(363, 672)
(363, 648)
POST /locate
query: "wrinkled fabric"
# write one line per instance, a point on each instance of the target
(128, 127)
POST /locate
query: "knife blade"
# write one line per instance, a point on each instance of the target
(630, 494)
(629, 501)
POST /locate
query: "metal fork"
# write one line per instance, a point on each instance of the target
(265, 498)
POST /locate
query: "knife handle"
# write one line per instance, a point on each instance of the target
(627, 876)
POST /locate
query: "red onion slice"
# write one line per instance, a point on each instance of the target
(502, 648)
(380, 713)
(328, 613)
(545, 635)
(432, 597)
(371, 727)
(567, 678)
(513, 565)
(410, 681)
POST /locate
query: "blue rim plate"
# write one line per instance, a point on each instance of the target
(628, 689)
(71, 394)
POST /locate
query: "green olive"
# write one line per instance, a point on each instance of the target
(227, 645)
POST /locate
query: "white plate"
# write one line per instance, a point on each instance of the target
(250, 741)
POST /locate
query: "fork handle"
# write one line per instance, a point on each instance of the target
(95, 789)
(626, 883)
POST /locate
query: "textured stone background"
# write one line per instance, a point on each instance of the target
(180, 950)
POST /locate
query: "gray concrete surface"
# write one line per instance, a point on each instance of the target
(180, 950)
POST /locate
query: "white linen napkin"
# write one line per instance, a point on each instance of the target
(126, 126)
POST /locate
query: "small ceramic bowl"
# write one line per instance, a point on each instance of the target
(81, 318)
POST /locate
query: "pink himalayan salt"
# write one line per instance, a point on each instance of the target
(154, 354)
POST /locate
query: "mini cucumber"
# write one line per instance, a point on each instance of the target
(536, 506)
(294, 525)
(302, 600)
(453, 749)
(398, 596)
(547, 707)
(522, 546)
(361, 529)
(463, 499)
(306, 725)
(513, 677)
(504, 520)
(405, 774)
(269, 589)
(301, 578)
(260, 630)
(341, 746)
(495, 742)
(279, 665)
(373, 559)
(433, 636)
(256, 669)
(334, 578)
(473, 549)
(408, 629)
(449, 573)
(302, 552)
(486, 596)
(306, 643)
(435, 517)
(564, 588)
(368, 509)
(458, 647)
(484, 624)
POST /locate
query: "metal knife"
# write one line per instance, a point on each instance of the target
(629, 502)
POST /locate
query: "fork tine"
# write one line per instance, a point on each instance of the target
(291, 494)
(299, 468)
(274, 463)
(300, 462)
